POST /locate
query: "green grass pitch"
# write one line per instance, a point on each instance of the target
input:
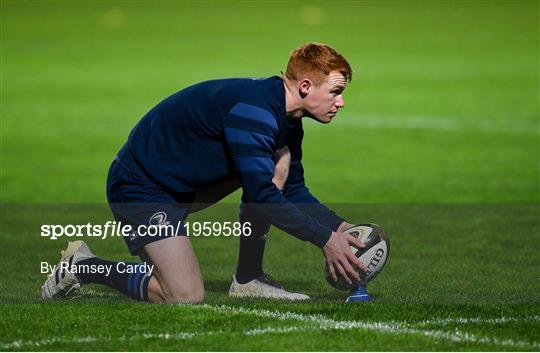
(439, 142)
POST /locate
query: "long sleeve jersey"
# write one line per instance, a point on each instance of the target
(230, 127)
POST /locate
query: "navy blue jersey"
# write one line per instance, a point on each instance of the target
(231, 127)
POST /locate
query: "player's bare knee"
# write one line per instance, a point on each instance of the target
(279, 180)
(281, 168)
(183, 294)
(187, 297)
(195, 297)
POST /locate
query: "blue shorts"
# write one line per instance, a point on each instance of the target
(138, 202)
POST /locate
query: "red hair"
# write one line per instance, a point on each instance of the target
(316, 61)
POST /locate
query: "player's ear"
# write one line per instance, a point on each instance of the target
(304, 86)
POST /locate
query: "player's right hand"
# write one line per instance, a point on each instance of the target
(340, 260)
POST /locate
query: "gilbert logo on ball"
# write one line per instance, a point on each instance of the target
(373, 256)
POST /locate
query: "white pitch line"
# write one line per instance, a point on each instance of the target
(47, 342)
(97, 293)
(280, 315)
(314, 322)
(89, 339)
(322, 319)
(168, 336)
(436, 123)
(453, 336)
(324, 323)
(475, 320)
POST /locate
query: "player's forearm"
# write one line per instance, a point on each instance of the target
(270, 202)
(300, 196)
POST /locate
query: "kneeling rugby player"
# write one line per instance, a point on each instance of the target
(199, 145)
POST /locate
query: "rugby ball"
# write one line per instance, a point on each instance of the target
(373, 256)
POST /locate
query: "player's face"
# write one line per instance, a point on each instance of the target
(323, 101)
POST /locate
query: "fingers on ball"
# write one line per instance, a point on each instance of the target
(343, 273)
(332, 271)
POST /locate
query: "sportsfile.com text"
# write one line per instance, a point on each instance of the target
(118, 229)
